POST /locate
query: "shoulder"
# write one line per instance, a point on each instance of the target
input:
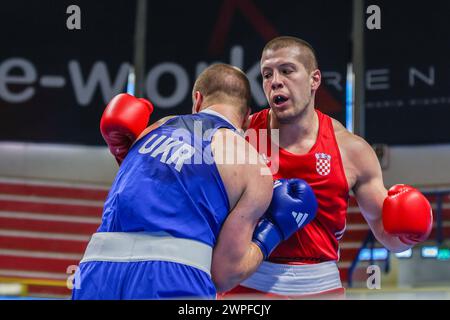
(240, 164)
(348, 142)
(357, 154)
(242, 153)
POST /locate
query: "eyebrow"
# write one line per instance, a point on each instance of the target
(283, 65)
(287, 64)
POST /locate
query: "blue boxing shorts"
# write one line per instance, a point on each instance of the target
(143, 266)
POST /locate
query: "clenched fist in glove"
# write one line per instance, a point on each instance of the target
(293, 206)
(407, 214)
(123, 120)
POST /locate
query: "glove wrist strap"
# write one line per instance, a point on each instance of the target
(267, 236)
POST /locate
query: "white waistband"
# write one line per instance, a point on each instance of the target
(291, 280)
(142, 246)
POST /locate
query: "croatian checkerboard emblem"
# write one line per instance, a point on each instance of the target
(323, 163)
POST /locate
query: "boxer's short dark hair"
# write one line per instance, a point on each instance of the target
(308, 55)
(224, 83)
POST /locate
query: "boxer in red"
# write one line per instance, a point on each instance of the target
(318, 149)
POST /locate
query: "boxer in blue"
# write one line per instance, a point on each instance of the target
(179, 222)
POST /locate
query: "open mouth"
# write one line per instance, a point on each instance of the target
(280, 99)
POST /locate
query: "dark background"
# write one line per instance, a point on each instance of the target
(190, 34)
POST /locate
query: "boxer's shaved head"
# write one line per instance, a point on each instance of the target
(222, 83)
(306, 56)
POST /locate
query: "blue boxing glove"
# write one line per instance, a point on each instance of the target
(293, 206)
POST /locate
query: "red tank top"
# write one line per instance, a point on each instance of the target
(322, 168)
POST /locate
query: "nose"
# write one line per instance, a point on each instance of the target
(276, 81)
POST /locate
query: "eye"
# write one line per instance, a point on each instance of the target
(286, 71)
(267, 75)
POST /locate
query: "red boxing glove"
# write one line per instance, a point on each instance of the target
(123, 120)
(407, 214)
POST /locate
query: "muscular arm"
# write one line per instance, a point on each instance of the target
(370, 191)
(235, 256)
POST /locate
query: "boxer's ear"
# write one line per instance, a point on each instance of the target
(316, 79)
(198, 100)
(246, 120)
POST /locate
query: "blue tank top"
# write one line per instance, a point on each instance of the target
(169, 182)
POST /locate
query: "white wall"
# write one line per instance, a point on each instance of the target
(421, 165)
(63, 163)
(418, 165)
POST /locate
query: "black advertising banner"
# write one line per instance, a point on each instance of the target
(408, 74)
(55, 82)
